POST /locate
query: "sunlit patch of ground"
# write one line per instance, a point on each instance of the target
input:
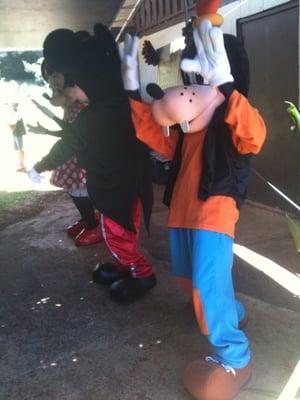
(35, 146)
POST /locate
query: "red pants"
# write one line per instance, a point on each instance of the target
(123, 244)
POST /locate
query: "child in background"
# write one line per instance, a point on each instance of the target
(18, 129)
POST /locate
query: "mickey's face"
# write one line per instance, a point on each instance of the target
(56, 81)
(75, 93)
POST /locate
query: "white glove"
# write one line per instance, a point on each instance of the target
(128, 54)
(211, 61)
(34, 176)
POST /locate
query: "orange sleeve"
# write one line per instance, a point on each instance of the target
(149, 132)
(246, 124)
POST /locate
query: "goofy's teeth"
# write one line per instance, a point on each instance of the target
(185, 126)
(166, 130)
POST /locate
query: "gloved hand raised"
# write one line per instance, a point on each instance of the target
(130, 70)
(34, 176)
(211, 60)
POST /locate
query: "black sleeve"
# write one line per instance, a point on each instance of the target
(55, 133)
(61, 123)
(69, 146)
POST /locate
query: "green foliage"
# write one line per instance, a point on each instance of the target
(294, 115)
(12, 67)
(295, 231)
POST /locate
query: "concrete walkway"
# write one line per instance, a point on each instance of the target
(63, 339)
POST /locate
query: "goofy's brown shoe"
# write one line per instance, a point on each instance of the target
(208, 380)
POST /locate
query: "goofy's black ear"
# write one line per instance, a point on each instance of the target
(155, 91)
(239, 63)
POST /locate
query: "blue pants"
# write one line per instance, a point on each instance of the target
(205, 258)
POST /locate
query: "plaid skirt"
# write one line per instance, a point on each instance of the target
(69, 176)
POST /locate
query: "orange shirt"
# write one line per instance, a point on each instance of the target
(217, 213)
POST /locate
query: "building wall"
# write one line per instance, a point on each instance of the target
(231, 12)
(25, 23)
(279, 160)
(160, 39)
(242, 8)
(271, 39)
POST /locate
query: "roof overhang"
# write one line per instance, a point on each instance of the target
(124, 19)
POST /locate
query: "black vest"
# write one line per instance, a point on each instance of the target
(225, 171)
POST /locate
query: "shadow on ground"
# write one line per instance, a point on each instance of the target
(62, 337)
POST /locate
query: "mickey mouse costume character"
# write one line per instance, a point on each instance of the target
(211, 133)
(103, 139)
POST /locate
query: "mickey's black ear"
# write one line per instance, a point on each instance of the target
(102, 32)
(82, 36)
(155, 91)
(106, 43)
(61, 50)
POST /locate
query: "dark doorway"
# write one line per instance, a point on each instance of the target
(271, 41)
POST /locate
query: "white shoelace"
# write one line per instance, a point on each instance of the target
(227, 368)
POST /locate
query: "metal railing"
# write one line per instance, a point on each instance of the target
(152, 14)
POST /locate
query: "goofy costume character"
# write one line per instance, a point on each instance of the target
(211, 133)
